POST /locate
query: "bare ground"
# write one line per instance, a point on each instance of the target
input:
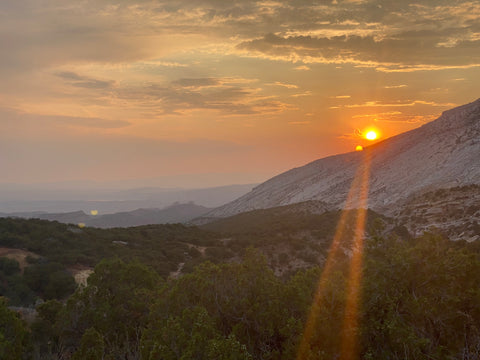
(17, 254)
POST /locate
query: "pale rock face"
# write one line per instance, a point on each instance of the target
(441, 154)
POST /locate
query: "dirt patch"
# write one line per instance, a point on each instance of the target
(201, 249)
(17, 254)
(81, 273)
(176, 274)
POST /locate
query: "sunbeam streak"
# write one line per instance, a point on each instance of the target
(355, 207)
(349, 348)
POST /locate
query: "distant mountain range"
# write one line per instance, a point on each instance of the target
(444, 153)
(176, 213)
(18, 198)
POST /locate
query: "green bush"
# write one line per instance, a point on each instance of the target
(9, 266)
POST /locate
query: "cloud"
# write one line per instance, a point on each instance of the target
(306, 93)
(302, 67)
(85, 81)
(221, 94)
(170, 64)
(396, 117)
(394, 86)
(399, 104)
(409, 48)
(53, 33)
(389, 113)
(278, 83)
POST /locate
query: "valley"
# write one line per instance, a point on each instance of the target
(251, 279)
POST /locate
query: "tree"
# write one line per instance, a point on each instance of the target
(9, 266)
(92, 346)
(190, 336)
(421, 299)
(116, 302)
(14, 338)
(49, 279)
(245, 302)
(45, 332)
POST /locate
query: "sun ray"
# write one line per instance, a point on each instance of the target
(357, 198)
(349, 347)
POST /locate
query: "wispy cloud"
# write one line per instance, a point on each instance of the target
(288, 86)
(399, 104)
(306, 93)
(395, 117)
(395, 86)
(387, 54)
(170, 64)
(302, 68)
(376, 115)
(190, 94)
(85, 81)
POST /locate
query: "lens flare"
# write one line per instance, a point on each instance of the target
(355, 208)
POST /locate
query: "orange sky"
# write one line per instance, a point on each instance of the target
(210, 92)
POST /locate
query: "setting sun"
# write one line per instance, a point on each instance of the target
(371, 135)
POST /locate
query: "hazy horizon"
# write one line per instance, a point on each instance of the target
(167, 183)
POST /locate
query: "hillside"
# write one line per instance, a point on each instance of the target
(240, 307)
(441, 154)
(161, 246)
(453, 212)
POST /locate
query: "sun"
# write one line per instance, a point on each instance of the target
(371, 135)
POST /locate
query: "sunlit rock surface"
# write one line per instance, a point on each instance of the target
(441, 154)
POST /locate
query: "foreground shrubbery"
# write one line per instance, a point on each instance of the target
(421, 300)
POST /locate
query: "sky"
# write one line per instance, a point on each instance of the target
(197, 93)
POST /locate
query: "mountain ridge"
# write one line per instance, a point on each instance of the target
(440, 154)
(175, 213)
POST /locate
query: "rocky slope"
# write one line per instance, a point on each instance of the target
(441, 154)
(454, 213)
